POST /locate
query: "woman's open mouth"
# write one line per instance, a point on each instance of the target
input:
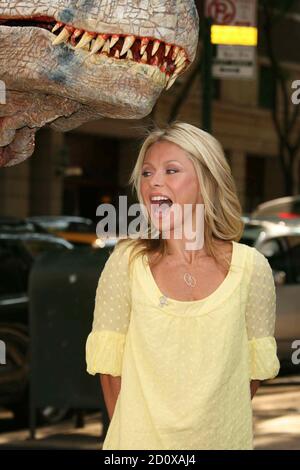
(160, 206)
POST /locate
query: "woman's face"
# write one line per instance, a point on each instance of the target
(168, 172)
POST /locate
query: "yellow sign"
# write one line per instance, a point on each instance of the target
(234, 35)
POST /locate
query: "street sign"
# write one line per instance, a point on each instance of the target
(234, 62)
(234, 34)
(232, 12)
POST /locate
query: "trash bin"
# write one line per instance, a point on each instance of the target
(62, 288)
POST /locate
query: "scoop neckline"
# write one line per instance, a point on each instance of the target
(205, 300)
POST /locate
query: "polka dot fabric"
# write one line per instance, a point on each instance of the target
(105, 343)
(185, 366)
(260, 317)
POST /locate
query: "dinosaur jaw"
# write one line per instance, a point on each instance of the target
(41, 78)
(26, 112)
(161, 61)
(96, 59)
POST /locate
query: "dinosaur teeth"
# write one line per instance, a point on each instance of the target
(75, 35)
(171, 81)
(62, 37)
(99, 42)
(144, 58)
(85, 40)
(156, 66)
(168, 47)
(180, 62)
(144, 44)
(180, 58)
(129, 55)
(179, 69)
(114, 40)
(57, 26)
(175, 53)
(156, 45)
(77, 32)
(128, 43)
(106, 47)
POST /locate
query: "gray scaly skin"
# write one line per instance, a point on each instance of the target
(58, 85)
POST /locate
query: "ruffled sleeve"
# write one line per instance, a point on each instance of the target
(260, 320)
(106, 341)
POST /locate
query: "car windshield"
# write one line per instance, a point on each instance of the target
(251, 234)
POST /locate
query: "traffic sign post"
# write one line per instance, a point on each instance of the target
(207, 83)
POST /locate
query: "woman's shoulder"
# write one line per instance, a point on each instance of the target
(254, 259)
(123, 245)
(119, 257)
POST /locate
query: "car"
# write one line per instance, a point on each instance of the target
(18, 251)
(78, 230)
(287, 207)
(279, 242)
(16, 225)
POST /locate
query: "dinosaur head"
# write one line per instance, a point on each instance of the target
(66, 62)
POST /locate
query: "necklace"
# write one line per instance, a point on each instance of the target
(189, 279)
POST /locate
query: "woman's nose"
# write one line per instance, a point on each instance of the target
(157, 179)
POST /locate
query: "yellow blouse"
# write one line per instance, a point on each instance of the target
(186, 366)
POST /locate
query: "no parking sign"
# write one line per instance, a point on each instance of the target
(234, 33)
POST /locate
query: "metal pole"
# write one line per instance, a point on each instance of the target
(207, 84)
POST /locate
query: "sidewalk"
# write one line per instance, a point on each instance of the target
(60, 436)
(276, 411)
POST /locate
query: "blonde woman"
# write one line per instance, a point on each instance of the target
(182, 337)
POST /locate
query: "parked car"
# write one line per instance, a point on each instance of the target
(15, 225)
(18, 250)
(279, 242)
(77, 230)
(284, 207)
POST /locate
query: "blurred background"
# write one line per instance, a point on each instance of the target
(246, 96)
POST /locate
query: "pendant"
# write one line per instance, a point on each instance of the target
(163, 300)
(189, 280)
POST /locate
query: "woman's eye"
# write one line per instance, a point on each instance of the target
(172, 170)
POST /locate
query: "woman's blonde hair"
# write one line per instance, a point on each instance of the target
(222, 209)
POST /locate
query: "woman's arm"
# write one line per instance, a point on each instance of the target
(254, 384)
(111, 388)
